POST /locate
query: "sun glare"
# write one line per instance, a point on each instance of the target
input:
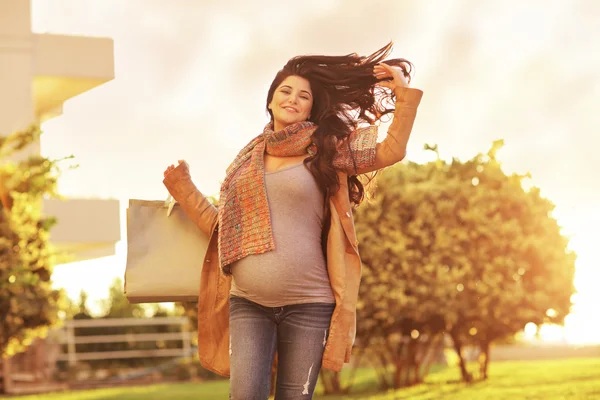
(582, 325)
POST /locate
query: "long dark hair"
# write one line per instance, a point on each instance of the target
(345, 96)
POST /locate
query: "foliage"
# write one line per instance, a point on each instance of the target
(117, 305)
(458, 248)
(188, 309)
(28, 304)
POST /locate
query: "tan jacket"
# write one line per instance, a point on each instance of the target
(343, 260)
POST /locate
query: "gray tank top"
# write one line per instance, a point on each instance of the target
(295, 272)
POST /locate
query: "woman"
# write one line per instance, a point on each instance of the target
(282, 270)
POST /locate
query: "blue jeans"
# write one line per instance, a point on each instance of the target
(298, 332)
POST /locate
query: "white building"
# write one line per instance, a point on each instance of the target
(38, 73)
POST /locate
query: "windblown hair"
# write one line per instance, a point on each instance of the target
(345, 96)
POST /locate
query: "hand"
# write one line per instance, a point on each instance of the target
(384, 71)
(172, 167)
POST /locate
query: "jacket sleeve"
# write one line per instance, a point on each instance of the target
(196, 206)
(393, 148)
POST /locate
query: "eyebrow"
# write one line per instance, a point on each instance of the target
(289, 87)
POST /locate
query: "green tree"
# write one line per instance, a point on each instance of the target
(521, 269)
(82, 305)
(117, 305)
(401, 325)
(459, 248)
(28, 304)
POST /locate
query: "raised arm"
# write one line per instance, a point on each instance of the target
(196, 206)
(360, 153)
(393, 148)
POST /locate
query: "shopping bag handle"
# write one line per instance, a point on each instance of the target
(169, 204)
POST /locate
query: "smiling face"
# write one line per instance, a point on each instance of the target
(292, 101)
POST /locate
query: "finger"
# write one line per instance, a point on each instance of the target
(385, 67)
(381, 75)
(394, 71)
(180, 161)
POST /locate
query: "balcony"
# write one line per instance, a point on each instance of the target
(66, 66)
(86, 228)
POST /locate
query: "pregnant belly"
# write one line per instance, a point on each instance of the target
(275, 281)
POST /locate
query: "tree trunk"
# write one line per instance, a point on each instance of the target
(408, 365)
(398, 365)
(436, 344)
(484, 359)
(397, 374)
(324, 382)
(382, 372)
(355, 366)
(416, 379)
(412, 363)
(466, 376)
(330, 381)
(335, 382)
(420, 358)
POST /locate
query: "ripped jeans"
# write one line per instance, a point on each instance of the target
(298, 332)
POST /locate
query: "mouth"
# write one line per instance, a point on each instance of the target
(290, 109)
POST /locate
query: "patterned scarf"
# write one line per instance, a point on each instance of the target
(244, 216)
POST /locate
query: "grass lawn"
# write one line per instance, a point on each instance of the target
(540, 380)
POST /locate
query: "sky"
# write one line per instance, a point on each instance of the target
(192, 76)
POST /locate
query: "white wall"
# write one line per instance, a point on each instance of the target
(16, 68)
